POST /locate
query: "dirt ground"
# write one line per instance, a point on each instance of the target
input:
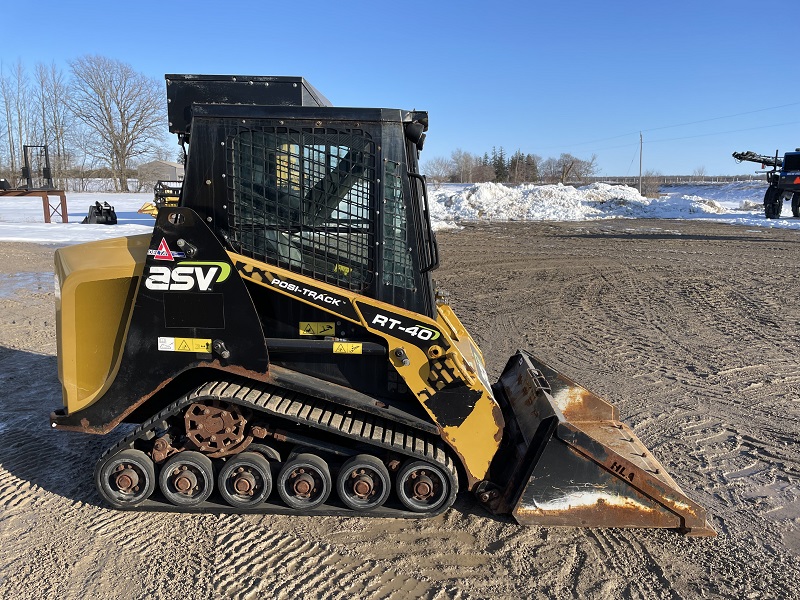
(691, 328)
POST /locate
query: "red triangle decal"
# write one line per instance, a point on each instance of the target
(163, 252)
(797, 180)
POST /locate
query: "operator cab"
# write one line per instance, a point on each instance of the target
(330, 193)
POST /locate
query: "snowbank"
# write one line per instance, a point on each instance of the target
(735, 203)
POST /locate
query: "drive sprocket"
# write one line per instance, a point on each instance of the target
(217, 428)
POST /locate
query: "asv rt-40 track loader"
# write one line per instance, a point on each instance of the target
(279, 343)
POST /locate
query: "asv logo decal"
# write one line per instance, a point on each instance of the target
(187, 276)
(416, 330)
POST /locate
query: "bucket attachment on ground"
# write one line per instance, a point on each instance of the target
(577, 464)
(101, 214)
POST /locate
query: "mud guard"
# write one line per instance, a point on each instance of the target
(577, 464)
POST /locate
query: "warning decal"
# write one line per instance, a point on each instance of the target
(317, 328)
(163, 252)
(171, 344)
(346, 348)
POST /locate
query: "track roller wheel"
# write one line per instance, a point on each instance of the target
(127, 479)
(187, 479)
(245, 480)
(363, 483)
(304, 482)
(422, 487)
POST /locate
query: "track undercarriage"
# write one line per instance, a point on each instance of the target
(245, 448)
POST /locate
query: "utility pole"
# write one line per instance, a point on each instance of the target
(640, 163)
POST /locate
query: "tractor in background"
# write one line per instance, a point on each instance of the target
(783, 179)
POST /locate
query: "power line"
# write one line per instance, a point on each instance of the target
(749, 112)
(740, 114)
(689, 137)
(635, 154)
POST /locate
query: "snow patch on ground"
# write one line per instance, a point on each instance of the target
(22, 219)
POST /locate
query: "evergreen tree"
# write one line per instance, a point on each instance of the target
(532, 167)
(499, 164)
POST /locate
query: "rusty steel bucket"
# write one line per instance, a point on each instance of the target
(576, 464)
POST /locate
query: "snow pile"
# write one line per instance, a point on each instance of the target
(741, 194)
(491, 201)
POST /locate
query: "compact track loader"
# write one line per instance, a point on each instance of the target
(279, 346)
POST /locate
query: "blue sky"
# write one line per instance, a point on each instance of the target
(700, 79)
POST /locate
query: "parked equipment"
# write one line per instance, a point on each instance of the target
(38, 177)
(101, 214)
(783, 180)
(280, 346)
(165, 193)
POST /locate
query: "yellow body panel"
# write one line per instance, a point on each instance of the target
(473, 447)
(95, 288)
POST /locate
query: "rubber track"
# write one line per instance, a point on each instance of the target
(272, 401)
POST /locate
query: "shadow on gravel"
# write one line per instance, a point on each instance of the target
(59, 462)
(468, 505)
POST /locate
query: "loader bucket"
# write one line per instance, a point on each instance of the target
(577, 464)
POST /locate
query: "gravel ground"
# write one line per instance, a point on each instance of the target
(690, 328)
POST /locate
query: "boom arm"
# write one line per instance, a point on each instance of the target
(766, 161)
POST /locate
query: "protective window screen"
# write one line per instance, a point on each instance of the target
(301, 198)
(398, 268)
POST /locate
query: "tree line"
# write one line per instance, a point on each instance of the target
(465, 167)
(99, 117)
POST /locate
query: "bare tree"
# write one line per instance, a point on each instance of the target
(121, 109)
(438, 169)
(54, 97)
(482, 172)
(5, 94)
(22, 124)
(28, 124)
(583, 169)
(464, 165)
(549, 170)
(699, 174)
(568, 168)
(651, 184)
